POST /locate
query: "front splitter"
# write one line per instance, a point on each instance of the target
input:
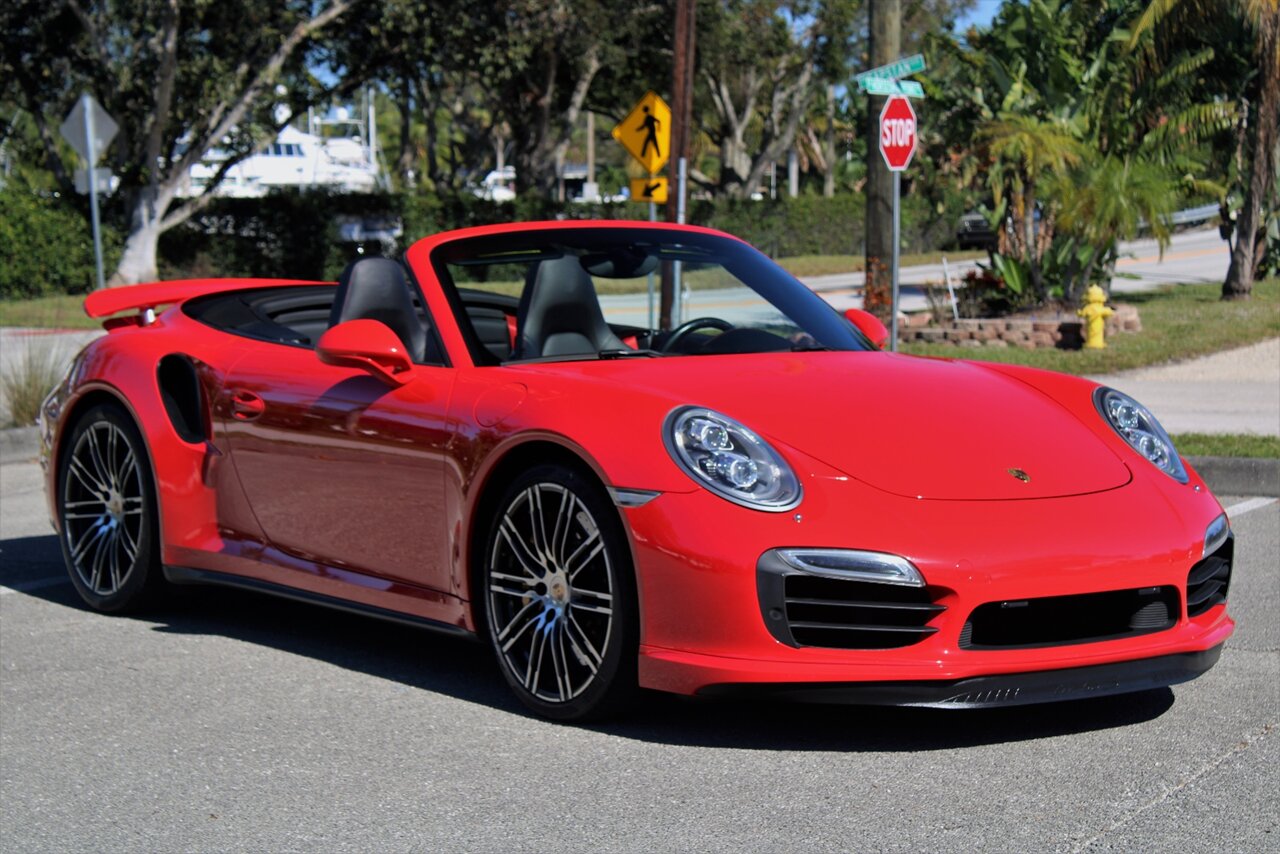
(980, 692)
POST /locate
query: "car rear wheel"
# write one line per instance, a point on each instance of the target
(106, 510)
(560, 597)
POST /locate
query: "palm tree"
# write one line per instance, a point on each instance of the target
(1026, 150)
(1111, 198)
(1263, 18)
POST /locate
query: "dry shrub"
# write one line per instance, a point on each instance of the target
(27, 380)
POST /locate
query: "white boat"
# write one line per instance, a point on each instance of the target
(297, 159)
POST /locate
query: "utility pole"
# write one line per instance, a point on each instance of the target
(681, 118)
(886, 45)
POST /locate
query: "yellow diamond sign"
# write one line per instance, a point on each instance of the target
(646, 132)
(652, 189)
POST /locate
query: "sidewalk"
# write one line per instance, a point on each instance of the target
(1234, 391)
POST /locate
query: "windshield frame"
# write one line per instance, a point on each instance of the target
(753, 269)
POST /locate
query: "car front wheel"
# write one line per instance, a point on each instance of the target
(560, 596)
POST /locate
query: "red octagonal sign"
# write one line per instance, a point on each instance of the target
(897, 132)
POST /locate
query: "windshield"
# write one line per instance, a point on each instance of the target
(596, 294)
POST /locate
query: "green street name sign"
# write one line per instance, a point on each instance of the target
(913, 64)
(884, 86)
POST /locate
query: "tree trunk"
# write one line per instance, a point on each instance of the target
(543, 137)
(138, 263)
(1029, 235)
(1239, 281)
(829, 146)
(735, 162)
(736, 166)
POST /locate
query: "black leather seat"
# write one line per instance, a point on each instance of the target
(376, 289)
(559, 314)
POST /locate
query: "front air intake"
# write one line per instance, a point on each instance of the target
(1080, 618)
(804, 609)
(1208, 580)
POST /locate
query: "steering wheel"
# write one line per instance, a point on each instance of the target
(684, 330)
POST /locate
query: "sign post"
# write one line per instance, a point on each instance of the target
(90, 130)
(646, 135)
(897, 142)
(897, 146)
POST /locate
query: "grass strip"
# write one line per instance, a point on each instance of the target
(1178, 322)
(1227, 445)
(63, 311)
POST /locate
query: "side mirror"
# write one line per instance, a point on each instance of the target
(370, 346)
(869, 325)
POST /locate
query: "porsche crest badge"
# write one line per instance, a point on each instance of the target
(1020, 475)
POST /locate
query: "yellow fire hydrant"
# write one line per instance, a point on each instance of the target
(1095, 314)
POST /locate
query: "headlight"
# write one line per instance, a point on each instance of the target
(730, 460)
(1216, 534)
(1137, 426)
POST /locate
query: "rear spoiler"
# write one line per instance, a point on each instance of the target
(111, 301)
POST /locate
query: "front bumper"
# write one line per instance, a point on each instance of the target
(1010, 689)
(704, 630)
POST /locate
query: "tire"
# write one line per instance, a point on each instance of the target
(107, 512)
(559, 596)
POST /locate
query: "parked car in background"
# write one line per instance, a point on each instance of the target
(974, 232)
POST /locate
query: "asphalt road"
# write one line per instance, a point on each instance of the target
(231, 721)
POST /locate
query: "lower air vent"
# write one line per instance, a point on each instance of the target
(1208, 580)
(857, 614)
(1083, 618)
(809, 610)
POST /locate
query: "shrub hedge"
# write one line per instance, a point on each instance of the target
(46, 245)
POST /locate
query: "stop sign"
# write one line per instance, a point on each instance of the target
(897, 132)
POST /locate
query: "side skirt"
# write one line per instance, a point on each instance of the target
(186, 575)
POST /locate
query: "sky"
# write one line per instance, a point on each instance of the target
(981, 15)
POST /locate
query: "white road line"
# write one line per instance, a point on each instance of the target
(39, 583)
(1235, 511)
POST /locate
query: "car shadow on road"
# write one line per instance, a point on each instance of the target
(465, 670)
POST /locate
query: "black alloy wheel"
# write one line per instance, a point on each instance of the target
(107, 512)
(560, 597)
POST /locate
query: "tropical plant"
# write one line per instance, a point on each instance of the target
(1028, 152)
(1163, 23)
(1080, 140)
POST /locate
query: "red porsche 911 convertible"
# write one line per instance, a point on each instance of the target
(494, 437)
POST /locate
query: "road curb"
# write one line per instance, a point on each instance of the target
(1225, 475)
(1240, 475)
(19, 444)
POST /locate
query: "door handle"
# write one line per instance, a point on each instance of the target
(246, 406)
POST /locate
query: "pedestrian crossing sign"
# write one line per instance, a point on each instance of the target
(651, 189)
(646, 132)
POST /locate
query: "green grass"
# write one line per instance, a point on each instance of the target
(1178, 322)
(1232, 445)
(56, 312)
